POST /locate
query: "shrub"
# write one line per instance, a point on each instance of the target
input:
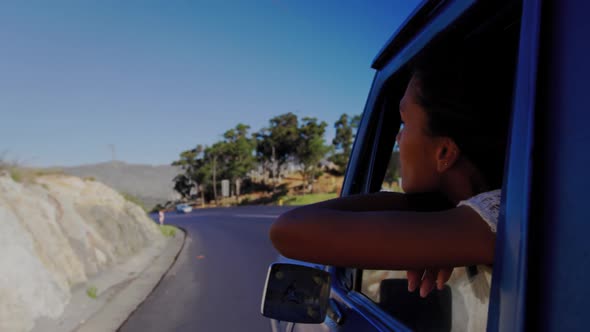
(91, 292)
(48, 171)
(132, 199)
(308, 199)
(16, 175)
(168, 231)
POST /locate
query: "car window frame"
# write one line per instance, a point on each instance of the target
(508, 292)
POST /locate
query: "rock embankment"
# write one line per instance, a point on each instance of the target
(56, 232)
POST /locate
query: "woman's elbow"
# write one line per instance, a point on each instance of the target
(290, 231)
(276, 233)
(280, 233)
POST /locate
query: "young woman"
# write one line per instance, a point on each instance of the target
(452, 144)
(161, 217)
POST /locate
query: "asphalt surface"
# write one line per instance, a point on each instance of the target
(216, 284)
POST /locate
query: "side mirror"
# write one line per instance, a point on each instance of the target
(296, 293)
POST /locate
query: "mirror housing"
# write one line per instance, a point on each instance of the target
(296, 293)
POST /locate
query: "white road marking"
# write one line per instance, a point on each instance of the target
(255, 215)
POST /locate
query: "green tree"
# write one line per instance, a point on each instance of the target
(232, 158)
(237, 154)
(355, 121)
(183, 185)
(392, 173)
(277, 144)
(311, 148)
(342, 143)
(195, 174)
(214, 166)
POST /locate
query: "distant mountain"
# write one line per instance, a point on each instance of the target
(150, 184)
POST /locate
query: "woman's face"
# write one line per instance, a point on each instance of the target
(417, 148)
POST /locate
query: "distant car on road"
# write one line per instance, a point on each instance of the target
(183, 208)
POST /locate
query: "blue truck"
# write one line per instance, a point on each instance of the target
(542, 247)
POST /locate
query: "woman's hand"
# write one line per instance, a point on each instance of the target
(427, 279)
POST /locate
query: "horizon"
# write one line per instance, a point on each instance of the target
(88, 83)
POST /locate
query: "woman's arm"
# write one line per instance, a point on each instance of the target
(341, 232)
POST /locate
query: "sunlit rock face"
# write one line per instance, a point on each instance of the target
(57, 231)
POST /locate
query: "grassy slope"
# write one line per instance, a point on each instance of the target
(308, 199)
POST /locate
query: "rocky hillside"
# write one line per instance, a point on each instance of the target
(150, 184)
(56, 232)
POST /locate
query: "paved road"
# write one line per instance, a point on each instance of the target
(216, 283)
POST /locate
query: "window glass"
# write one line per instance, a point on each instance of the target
(392, 180)
(461, 306)
(372, 282)
(371, 279)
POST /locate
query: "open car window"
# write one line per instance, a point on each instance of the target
(463, 304)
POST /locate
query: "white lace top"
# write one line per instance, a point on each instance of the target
(487, 205)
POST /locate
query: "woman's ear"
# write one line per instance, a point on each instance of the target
(447, 154)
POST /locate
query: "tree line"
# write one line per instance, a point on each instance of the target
(285, 142)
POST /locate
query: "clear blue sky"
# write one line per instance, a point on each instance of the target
(155, 78)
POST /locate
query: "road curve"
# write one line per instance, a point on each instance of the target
(216, 283)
